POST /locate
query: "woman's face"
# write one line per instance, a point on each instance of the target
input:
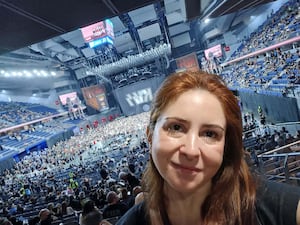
(188, 140)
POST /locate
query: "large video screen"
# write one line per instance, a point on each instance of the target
(64, 98)
(95, 97)
(97, 31)
(213, 51)
(136, 98)
(188, 62)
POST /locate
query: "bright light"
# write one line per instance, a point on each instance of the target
(44, 73)
(3, 91)
(27, 73)
(206, 20)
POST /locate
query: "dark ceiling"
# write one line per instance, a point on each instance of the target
(25, 22)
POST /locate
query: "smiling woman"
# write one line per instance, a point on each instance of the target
(187, 143)
(197, 173)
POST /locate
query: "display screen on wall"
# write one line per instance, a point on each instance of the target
(213, 51)
(95, 97)
(136, 98)
(188, 62)
(64, 98)
(97, 31)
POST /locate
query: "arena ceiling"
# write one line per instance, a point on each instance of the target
(45, 34)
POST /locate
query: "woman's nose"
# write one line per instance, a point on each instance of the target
(191, 145)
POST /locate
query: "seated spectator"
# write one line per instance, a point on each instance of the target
(45, 217)
(114, 208)
(94, 218)
(66, 209)
(128, 200)
(88, 206)
(129, 178)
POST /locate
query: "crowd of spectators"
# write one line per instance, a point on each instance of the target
(275, 72)
(14, 113)
(272, 71)
(100, 167)
(280, 26)
(102, 164)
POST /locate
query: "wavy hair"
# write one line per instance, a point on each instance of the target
(232, 197)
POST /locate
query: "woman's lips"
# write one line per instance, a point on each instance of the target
(186, 168)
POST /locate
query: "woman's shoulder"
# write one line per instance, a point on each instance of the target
(134, 216)
(276, 203)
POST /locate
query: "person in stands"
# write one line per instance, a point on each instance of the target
(94, 217)
(197, 173)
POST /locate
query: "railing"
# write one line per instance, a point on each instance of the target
(283, 167)
(261, 51)
(4, 130)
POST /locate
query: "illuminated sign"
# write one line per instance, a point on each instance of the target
(67, 97)
(139, 97)
(188, 62)
(213, 51)
(95, 97)
(97, 31)
(101, 41)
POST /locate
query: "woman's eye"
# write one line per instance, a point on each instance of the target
(175, 129)
(211, 137)
(211, 134)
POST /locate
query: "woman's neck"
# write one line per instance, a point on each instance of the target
(185, 208)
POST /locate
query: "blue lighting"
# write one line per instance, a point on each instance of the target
(108, 21)
(101, 41)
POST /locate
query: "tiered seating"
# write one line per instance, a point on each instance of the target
(277, 72)
(20, 145)
(14, 113)
(283, 25)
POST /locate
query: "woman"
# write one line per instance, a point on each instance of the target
(197, 172)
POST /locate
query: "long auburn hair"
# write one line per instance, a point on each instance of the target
(232, 197)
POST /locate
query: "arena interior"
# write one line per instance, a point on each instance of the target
(77, 79)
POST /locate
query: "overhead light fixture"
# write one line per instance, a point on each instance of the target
(27, 73)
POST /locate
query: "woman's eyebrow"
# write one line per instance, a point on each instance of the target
(214, 126)
(204, 125)
(177, 118)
